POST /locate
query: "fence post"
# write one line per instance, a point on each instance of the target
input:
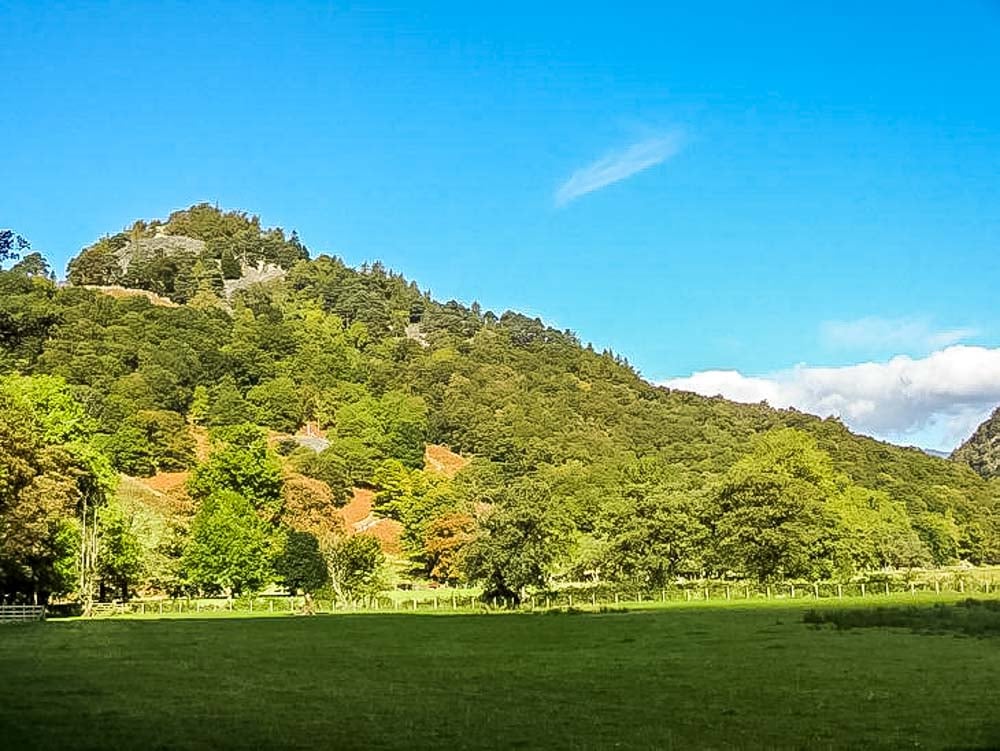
(791, 588)
(546, 602)
(593, 599)
(961, 586)
(270, 606)
(687, 595)
(937, 587)
(616, 598)
(571, 599)
(747, 588)
(887, 589)
(769, 591)
(862, 589)
(663, 595)
(816, 589)
(840, 590)
(913, 588)
(706, 594)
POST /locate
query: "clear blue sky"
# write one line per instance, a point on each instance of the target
(824, 184)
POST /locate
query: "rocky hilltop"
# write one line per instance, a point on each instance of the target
(982, 450)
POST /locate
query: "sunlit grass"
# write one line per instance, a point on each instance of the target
(669, 677)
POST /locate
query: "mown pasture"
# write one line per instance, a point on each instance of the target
(678, 676)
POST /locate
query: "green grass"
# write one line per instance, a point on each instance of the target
(970, 617)
(733, 676)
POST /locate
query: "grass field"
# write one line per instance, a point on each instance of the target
(672, 677)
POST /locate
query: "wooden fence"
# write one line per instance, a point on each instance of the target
(21, 613)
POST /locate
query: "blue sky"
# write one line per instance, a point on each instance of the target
(765, 191)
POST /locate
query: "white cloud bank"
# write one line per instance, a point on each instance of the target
(934, 401)
(618, 166)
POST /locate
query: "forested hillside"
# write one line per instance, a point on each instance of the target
(982, 450)
(579, 468)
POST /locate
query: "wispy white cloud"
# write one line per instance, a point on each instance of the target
(871, 333)
(935, 401)
(618, 165)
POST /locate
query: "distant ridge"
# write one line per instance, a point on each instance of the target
(982, 450)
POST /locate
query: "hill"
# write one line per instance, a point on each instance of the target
(982, 450)
(355, 371)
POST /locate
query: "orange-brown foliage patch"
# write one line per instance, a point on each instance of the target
(358, 519)
(443, 460)
(166, 492)
(309, 507)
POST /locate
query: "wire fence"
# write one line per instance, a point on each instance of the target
(581, 597)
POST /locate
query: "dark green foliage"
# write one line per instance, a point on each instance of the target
(278, 404)
(300, 565)
(12, 245)
(151, 441)
(518, 543)
(34, 264)
(226, 405)
(229, 265)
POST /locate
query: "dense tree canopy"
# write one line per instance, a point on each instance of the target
(579, 467)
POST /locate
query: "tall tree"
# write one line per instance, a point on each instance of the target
(518, 542)
(230, 547)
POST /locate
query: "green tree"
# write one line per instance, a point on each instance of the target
(227, 405)
(34, 264)
(356, 565)
(327, 466)
(278, 404)
(52, 480)
(151, 441)
(200, 404)
(241, 462)
(12, 245)
(518, 542)
(120, 557)
(300, 565)
(413, 497)
(229, 548)
(772, 522)
(229, 265)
